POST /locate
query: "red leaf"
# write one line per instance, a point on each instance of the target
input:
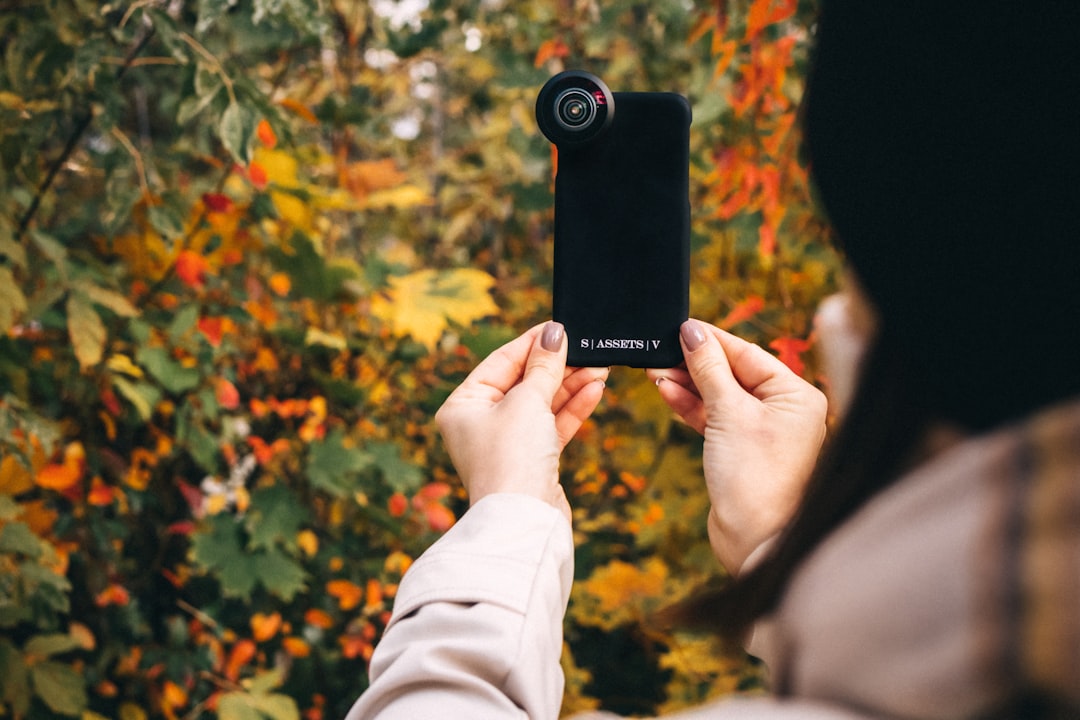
(397, 504)
(258, 176)
(748, 308)
(790, 351)
(228, 396)
(213, 328)
(191, 268)
(216, 202)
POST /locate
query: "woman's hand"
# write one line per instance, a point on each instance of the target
(506, 425)
(763, 428)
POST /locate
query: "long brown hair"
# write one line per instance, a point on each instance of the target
(943, 141)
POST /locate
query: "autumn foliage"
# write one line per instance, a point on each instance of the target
(247, 249)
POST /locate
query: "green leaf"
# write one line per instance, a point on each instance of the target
(174, 377)
(14, 679)
(106, 298)
(49, 645)
(12, 301)
(86, 331)
(237, 129)
(398, 473)
(51, 248)
(59, 687)
(167, 220)
(257, 698)
(185, 319)
(332, 467)
(280, 575)
(237, 706)
(170, 36)
(275, 517)
(209, 12)
(15, 252)
(219, 552)
(18, 538)
(142, 397)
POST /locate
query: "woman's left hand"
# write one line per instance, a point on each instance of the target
(506, 425)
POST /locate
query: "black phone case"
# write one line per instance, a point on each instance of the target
(622, 236)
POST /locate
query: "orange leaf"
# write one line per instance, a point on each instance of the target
(296, 647)
(367, 176)
(112, 595)
(264, 627)
(100, 494)
(213, 328)
(257, 175)
(174, 696)
(241, 655)
(748, 308)
(191, 268)
(374, 594)
(58, 477)
(228, 396)
(266, 134)
(789, 350)
(549, 49)
(439, 517)
(319, 618)
(280, 283)
(348, 593)
(397, 504)
(299, 109)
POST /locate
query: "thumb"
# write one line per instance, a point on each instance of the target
(706, 360)
(546, 364)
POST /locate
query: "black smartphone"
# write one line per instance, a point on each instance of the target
(622, 220)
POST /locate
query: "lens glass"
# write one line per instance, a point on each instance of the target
(575, 109)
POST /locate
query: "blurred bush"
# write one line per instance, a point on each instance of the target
(248, 247)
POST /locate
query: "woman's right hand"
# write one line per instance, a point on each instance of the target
(763, 427)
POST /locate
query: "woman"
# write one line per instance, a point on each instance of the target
(928, 564)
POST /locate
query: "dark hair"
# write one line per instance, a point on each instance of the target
(944, 141)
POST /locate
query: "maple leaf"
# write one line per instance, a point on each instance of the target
(790, 350)
(748, 308)
(424, 303)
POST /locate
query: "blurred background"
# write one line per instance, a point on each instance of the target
(247, 247)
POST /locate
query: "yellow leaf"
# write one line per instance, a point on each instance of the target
(15, 478)
(403, 197)
(424, 303)
(281, 168)
(619, 584)
(122, 364)
(12, 301)
(86, 330)
(292, 209)
(334, 341)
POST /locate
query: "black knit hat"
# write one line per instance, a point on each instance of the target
(944, 139)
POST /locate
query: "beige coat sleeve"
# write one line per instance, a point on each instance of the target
(477, 625)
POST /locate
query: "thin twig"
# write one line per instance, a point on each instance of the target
(214, 63)
(137, 157)
(77, 133)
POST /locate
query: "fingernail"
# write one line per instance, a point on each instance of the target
(693, 336)
(551, 338)
(660, 380)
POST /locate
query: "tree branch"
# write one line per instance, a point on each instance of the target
(81, 126)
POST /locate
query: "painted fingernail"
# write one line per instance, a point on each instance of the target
(693, 336)
(551, 338)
